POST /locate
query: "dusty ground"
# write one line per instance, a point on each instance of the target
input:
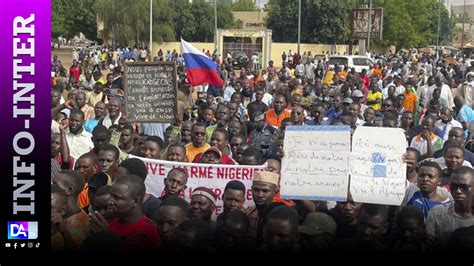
(64, 54)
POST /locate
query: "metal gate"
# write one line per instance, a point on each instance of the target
(248, 48)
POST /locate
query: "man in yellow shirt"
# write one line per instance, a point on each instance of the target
(198, 143)
(374, 98)
(328, 78)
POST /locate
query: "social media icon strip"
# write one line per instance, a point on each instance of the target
(22, 230)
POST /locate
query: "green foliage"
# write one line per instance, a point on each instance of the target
(184, 21)
(414, 23)
(244, 5)
(128, 22)
(321, 21)
(282, 19)
(407, 23)
(70, 17)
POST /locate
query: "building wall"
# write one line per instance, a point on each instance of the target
(457, 10)
(252, 20)
(275, 53)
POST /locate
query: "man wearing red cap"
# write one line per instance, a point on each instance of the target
(220, 142)
(203, 204)
(211, 156)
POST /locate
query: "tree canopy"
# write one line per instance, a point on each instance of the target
(127, 22)
(328, 21)
(70, 17)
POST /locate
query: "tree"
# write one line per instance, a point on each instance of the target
(321, 21)
(184, 21)
(244, 5)
(328, 21)
(405, 26)
(70, 17)
(325, 22)
(127, 22)
(204, 24)
(282, 19)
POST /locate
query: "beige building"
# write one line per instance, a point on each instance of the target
(468, 27)
(251, 20)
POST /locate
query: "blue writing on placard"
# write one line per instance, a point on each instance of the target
(379, 170)
(378, 158)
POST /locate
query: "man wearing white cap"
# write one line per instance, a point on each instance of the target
(466, 89)
(265, 186)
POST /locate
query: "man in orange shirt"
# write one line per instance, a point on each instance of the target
(198, 143)
(275, 115)
(410, 98)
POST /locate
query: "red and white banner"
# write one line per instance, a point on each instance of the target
(213, 176)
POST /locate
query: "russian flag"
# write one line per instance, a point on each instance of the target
(200, 69)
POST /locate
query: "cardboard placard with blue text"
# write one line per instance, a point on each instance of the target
(378, 171)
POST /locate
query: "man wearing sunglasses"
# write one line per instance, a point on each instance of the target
(198, 144)
(443, 220)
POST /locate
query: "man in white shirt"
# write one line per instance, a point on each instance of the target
(299, 70)
(310, 69)
(423, 91)
(234, 86)
(466, 89)
(446, 123)
(445, 92)
(78, 139)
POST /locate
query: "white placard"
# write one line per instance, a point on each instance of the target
(316, 163)
(378, 172)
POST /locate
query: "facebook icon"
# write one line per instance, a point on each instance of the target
(22, 230)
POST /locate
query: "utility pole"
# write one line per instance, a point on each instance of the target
(299, 25)
(463, 20)
(215, 24)
(437, 35)
(370, 25)
(151, 29)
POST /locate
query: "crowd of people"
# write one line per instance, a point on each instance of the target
(98, 192)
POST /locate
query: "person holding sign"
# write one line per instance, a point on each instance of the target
(426, 194)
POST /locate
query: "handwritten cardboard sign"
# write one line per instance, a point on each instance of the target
(151, 92)
(316, 163)
(378, 172)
